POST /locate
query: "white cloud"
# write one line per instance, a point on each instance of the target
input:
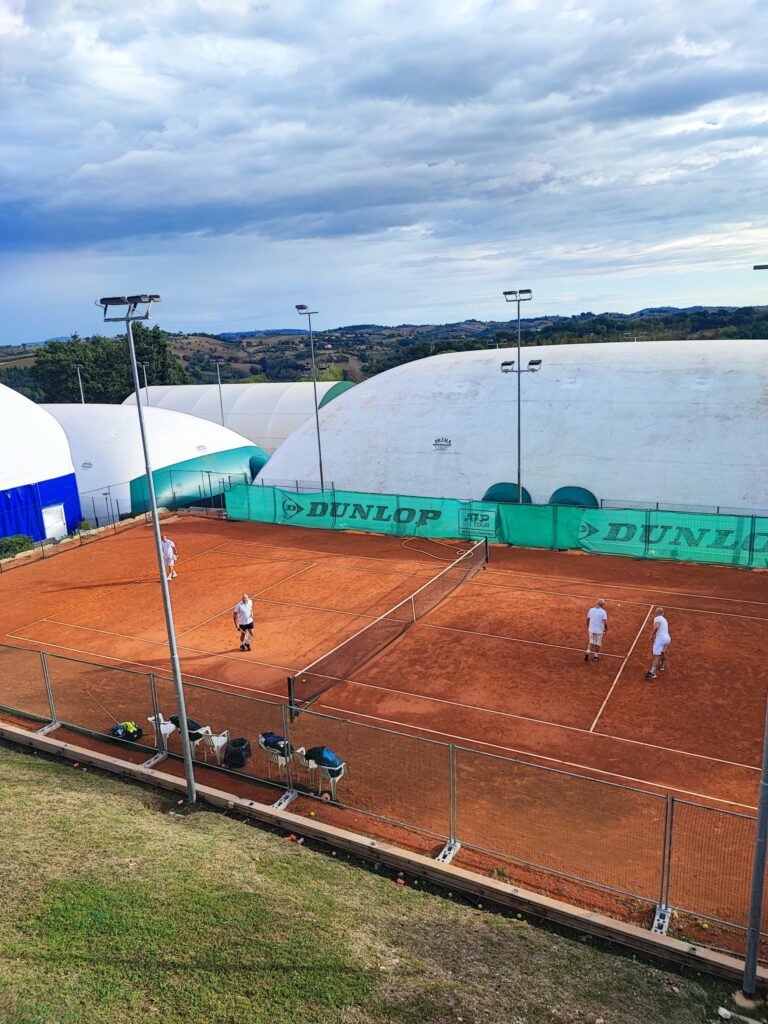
(480, 137)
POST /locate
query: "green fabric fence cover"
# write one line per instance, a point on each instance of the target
(680, 536)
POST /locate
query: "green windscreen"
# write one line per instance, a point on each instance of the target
(680, 536)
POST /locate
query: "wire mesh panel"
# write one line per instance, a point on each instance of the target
(600, 833)
(400, 778)
(241, 717)
(349, 656)
(96, 697)
(711, 862)
(22, 683)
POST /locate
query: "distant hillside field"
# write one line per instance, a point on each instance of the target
(362, 350)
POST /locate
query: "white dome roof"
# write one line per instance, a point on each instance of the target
(265, 413)
(673, 421)
(106, 443)
(35, 447)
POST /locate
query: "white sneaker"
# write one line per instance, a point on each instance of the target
(174, 575)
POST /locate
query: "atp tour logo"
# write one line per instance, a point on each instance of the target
(442, 444)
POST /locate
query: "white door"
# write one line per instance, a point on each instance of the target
(55, 522)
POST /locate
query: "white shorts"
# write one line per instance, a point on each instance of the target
(170, 562)
(596, 639)
(659, 647)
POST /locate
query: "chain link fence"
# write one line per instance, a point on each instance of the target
(657, 849)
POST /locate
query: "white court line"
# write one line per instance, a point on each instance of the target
(622, 586)
(621, 669)
(552, 725)
(256, 594)
(634, 604)
(543, 757)
(142, 640)
(514, 639)
(116, 590)
(148, 670)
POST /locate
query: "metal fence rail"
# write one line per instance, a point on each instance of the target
(661, 850)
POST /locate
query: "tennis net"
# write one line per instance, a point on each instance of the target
(337, 665)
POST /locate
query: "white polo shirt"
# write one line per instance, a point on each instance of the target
(662, 633)
(244, 612)
(169, 551)
(597, 619)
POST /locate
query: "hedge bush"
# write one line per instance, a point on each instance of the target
(13, 545)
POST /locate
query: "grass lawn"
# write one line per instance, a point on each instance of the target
(115, 911)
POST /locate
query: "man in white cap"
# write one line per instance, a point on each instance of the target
(661, 641)
(597, 627)
(243, 618)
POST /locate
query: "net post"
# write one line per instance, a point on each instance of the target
(292, 709)
(487, 550)
(48, 687)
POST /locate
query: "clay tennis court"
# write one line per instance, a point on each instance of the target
(496, 669)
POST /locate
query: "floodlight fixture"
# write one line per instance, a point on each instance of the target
(534, 365)
(508, 366)
(303, 310)
(760, 266)
(131, 303)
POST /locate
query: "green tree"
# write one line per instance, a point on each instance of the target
(106, 371)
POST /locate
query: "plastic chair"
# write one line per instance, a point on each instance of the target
(201, 735)
(275, 757)
(307, 764)
(331, 775)
(215, 743)
(165, 727)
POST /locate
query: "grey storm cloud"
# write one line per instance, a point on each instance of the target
(477, 129)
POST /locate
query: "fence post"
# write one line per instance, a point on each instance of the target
(48, 687)
(285, 711)
(452, 802)
(156, 712)
(758, 874)
(751, 548)
(647, 532)
(554, 527)
(666, 851)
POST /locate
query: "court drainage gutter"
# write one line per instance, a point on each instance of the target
(444, 875)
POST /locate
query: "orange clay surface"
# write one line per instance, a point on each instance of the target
(496, 669)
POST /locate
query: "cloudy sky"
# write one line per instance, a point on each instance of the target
(384, 161)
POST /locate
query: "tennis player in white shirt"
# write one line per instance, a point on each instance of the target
(661, 641)
(169, 557)
(597, 627)
(243, 618)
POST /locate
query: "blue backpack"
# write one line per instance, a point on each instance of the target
(323, 756)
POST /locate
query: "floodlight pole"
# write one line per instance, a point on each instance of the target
(132, 302)
(78, 367)
(757, 891)
(518, 296)
(221, 400)
(309, 313)
(146, 386)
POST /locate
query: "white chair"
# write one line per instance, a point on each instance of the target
(201, 735)
(166, 729)
(215, 743)
(275, 757)
(307, 764)
(331, 775)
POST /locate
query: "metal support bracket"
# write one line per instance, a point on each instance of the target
(48, 728)
(288, 797)
(448, 852)
(661, 920)
(155, 759)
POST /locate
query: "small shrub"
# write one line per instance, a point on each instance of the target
(84, 525)
(15, 544)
